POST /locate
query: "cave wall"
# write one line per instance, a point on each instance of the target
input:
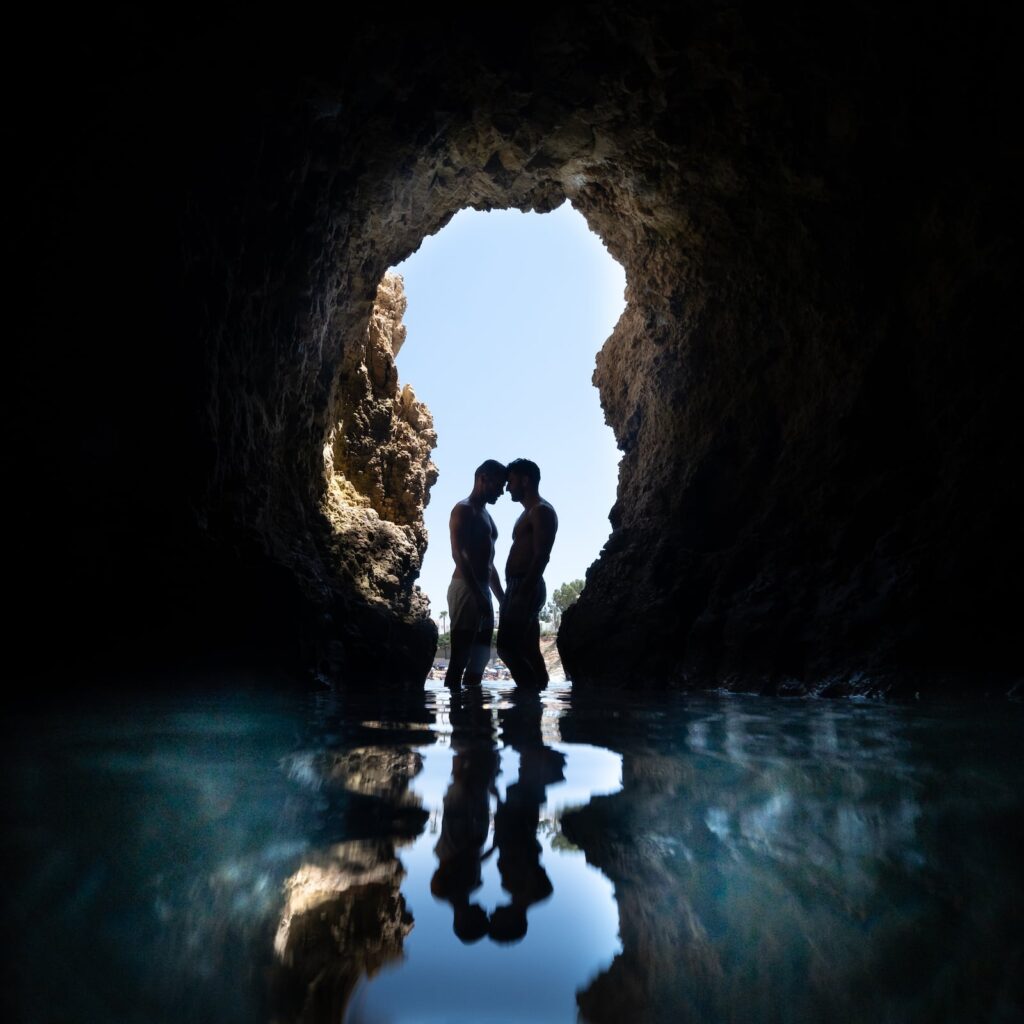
(812, 383)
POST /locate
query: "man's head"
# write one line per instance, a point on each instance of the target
(508, 923)
(490, 479)
(523, 478)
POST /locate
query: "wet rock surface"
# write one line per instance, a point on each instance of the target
(812, 382)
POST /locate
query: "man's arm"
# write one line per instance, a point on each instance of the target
(499, 592)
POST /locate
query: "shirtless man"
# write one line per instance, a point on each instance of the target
(473, 534)
(525, 593)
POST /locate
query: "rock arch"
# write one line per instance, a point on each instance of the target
(808, 382)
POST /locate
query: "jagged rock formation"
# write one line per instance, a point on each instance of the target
(812, 383)
(377, 466)
(378, 453)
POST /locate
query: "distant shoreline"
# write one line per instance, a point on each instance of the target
(548, 647)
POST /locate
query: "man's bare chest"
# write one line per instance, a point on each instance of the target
(483, 529)
(523, 528)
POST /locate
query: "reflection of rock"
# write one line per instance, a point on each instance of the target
(663, 939)
(745, 882)
(377, 771)
(344, 918)
(371, 783)
(370, 771)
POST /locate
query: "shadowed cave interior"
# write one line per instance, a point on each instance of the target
(214, 473)
(811, 384)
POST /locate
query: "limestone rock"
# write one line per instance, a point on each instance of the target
(377, 467)
(377, 455)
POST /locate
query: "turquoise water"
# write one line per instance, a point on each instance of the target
(588, 856)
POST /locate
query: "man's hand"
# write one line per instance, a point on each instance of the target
(515, 607)
(483, 600)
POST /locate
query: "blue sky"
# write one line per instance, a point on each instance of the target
(506, 313)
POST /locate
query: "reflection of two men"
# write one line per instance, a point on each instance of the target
(466, 822)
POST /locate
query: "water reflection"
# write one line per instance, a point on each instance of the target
(515, 922)
(357, 938)
(557, 857)
(517, 817)
(812, 862)
(466, 821)
(466, 817)
(344, 916)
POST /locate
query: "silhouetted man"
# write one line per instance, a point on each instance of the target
(473, 535)
(532, 539)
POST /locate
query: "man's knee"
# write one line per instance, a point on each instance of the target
(462, 639)
(481, 654)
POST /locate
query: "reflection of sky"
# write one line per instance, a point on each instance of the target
(589, 771)
(570, 938)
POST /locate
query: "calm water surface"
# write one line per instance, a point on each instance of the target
(495, 857)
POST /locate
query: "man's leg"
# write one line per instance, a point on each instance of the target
(522, 643)
(481, 652)
(462, 630)
(533, 653)
(462, 648)
(532, 637)
(512, 647)
(507, 650)
(509, 642)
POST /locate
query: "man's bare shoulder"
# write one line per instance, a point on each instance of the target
(462, 516)
(463, 510)
(465, 513)
(544, 511)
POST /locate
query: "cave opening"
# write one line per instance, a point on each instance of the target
(505, 313)
(378, 431)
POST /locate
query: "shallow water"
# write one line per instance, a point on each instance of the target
(594, 856)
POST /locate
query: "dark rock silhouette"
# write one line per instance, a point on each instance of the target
(814, 383)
